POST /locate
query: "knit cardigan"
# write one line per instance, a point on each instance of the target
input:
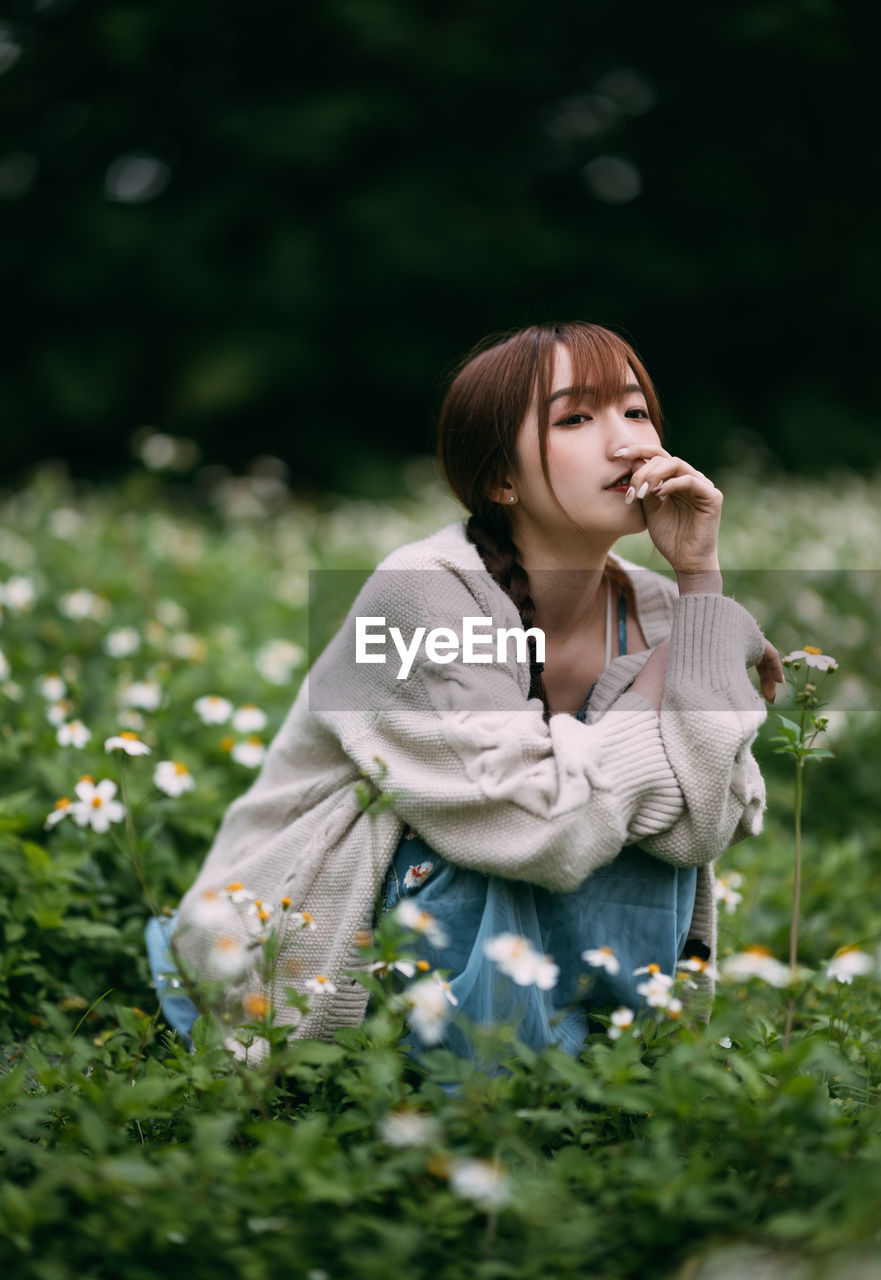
(463, 756)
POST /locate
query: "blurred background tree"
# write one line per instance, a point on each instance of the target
(272, 227)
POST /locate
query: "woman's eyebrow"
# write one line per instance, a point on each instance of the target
(630, 389)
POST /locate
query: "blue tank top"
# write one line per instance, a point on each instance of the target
(638, 905)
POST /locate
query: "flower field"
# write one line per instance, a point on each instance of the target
(150, 646)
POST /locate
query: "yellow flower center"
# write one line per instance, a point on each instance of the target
(129, 736)
(812, 648)
(758, 951)
(319, 977)
(423, 966)
(256, 1006)
(180, 769)
(62, 803)
(255, 741)
(226, 944)
(236, 884)
(87, 777)
(307, 917)
(227, 743)
(97, 802)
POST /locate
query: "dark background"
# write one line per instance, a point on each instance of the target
(271, 227)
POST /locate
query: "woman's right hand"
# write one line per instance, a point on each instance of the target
(682, 507)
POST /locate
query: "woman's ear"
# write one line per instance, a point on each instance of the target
(504, 494)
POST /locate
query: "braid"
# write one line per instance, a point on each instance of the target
(492, 537)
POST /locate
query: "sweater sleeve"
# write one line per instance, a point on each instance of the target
(710, 716)
(469, 762)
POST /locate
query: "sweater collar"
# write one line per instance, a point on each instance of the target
(654, 594)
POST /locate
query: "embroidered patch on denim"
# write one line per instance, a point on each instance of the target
(418, 874)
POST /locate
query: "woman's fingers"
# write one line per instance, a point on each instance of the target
(695, 484)
(770, 672)
(649, 474)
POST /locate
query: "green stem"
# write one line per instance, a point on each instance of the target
(796, 895)
(133, 842)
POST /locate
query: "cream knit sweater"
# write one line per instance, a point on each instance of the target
(470, 763)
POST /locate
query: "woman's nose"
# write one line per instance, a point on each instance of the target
(625, 431)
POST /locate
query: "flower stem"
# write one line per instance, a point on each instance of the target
(796, 893)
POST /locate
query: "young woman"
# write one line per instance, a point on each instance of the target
(576, 802)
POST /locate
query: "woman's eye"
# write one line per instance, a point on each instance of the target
(574, 420)
(643, 413)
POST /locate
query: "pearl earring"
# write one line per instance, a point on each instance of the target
(512, 498)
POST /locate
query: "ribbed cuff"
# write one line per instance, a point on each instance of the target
(712, 637)
(635, 764)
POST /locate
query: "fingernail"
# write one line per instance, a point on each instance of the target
(643, 490)
(630, 495)
(620, 453)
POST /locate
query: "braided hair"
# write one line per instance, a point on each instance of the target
(479, 422)
(502, 559)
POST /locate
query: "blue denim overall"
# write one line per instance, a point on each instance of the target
(638, 905)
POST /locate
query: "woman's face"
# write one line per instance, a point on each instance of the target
(582, 441)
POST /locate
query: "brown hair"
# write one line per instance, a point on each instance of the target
(480, 419)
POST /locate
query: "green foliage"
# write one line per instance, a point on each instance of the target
(124, 1152)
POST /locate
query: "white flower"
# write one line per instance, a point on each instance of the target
(250, 753)
(73, 734)
(173, 778)
(622, 1020)
(52, 687)
(481, 1181)
(755, 962)
(64, 522)
(726, 891)
(302, 920)
(658, 989)
(517, 958)
(249, 719)
(602, 958)
(84, 604)
(276, 660)
(122, 642)
(406, 967)
(228, 958)
(237, 893)
(189, 647)
(428, 1007)
(320, 985)
(128, 742)
(812, 657)
(5, 669)
(62, 808)
(18, 594)
(258, 912)
(213, 911)
(10, 689)
(725, 1043)
(849, 963)
(411, 917)
(408, 1129)
(212, 710)
(417, 874)
(145, 694)
(170, 613)
(57, 712)
(95, 806)
(131, 719)
(694, 964)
